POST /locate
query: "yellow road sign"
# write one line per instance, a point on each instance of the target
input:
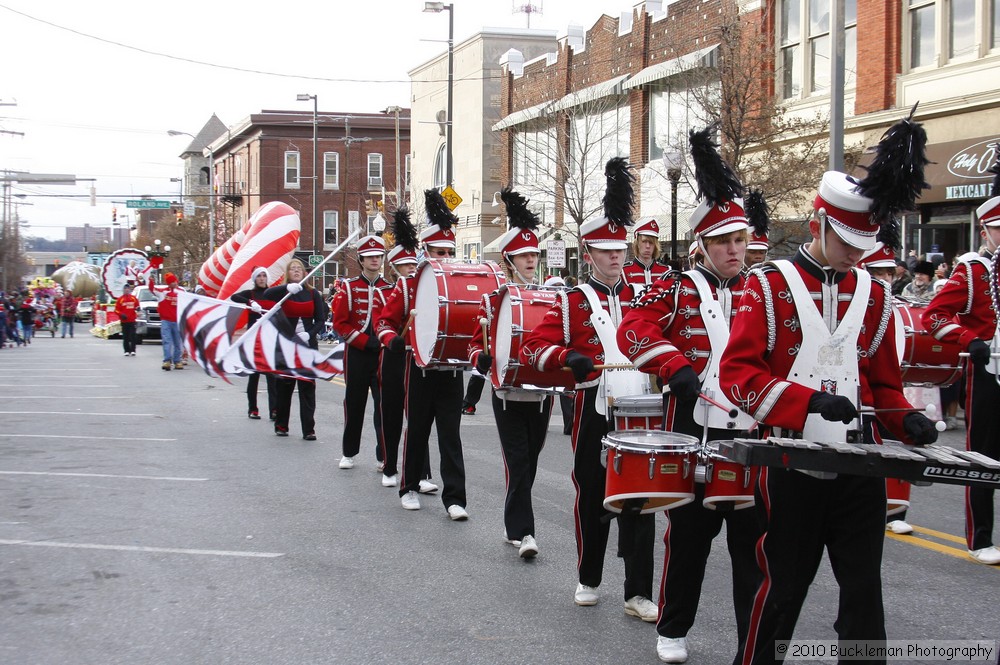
(451, 197)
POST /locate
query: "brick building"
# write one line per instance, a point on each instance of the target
(623, 88)
(269, 156)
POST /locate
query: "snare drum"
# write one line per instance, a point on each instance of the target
(447, 303)
(897, 496)
(517, 311)
(727, 483)
(657, 467)
(924, 359)
(638, 412)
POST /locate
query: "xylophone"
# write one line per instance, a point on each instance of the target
(918, 464)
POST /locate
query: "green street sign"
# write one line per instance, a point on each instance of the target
(315, 259)
(146, 203)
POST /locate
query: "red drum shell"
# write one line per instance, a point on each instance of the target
(638, 412)
(516, 312)
(447, 301)
(897, 496)
(925, 360)
(656, 466)
(727, 481)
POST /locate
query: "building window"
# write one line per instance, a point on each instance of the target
(374, 170)
(331, 170)
(674, 109)
(995, 23)
(331, 229)
(471, 251)
(406, 182)
(805, 46)
(203, 177)
(964, 24)
(962, 29)
(440, 167)
(292, 169)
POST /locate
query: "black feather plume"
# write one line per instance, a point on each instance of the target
(889, 233)
(437, 210)
(518, 214)
(402, 227)
(619, 197)
(895, 177)
(758, 215)
(715, 178)
(995, 170)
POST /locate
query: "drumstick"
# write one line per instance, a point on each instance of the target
(965, 354)
(409, 322)
(732, 412)
(608, 366)
(929, 410)
(486, 334)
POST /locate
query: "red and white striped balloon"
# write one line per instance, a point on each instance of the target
(213, 272)
(270, 242)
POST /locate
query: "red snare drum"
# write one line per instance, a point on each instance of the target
(638, 412)
(897, 496)
(517, 311)
(657, 467)
(447, 303)
(925, 360)
(727, 483)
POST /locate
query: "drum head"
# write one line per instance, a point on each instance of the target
(651, 440)
(501, 353)
(427, 320)
(640, 403)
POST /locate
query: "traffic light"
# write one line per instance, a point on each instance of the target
(114, 215)
(369, 208)
(180, 216)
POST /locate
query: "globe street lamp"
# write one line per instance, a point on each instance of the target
(673, 161)
(211, 189)
(315, 175)
(156, 255)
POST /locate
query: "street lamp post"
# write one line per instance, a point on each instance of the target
(673, 161)
(315, 175)
(157, 255)
(436, 8)
(395, 111)
(211, 189)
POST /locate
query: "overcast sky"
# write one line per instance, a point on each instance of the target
(98, 84)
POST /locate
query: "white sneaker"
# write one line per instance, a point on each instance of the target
(951, 423)
(515, 543)
(131, 353)
(346, 462)
(528, 549)
(644, 608)
(390, 481)
(988, 555)
(427, 487)
(457, 513)
(411, 501)
(585, 595)
(900, 527)
(379, 467)
(672, 649)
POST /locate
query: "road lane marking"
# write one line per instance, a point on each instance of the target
(34, 368)
(77, 436)
(62, 397)
(962, 553)
(96, 475)
(940, 535)
(53, 385)
(75, 413)
(137, 548)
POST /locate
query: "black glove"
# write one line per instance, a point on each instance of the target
(832, 407)
(397, 344)
(484, 362)
(920, 428)
(979, 352)
(684, 384)
(581, 365)
(371, 344)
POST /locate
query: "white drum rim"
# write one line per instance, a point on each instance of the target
(683, 499)
(501, 354)
(427, 320)
(638, 400)
(622, 439)
(894, 507)
(740, 501)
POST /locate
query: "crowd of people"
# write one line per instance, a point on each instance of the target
(25, 312)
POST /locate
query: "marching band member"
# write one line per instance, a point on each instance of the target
(757, 244)
(355, 307)
(569, 337)
(433, 397)
(254, 296)
(393, 363)
(811, 343)
(522, 416)
(677, 331)
(644, 268)
(307, 314)
(965, 311)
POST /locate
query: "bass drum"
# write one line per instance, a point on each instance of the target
(447, 304)
(517, 310)
(924, 360)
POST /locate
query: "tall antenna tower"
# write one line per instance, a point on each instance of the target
(527, 8)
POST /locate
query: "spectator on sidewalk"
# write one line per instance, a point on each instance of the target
(67, 312)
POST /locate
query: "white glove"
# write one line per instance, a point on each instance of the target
(294, 287)
(304, 336)
(255, 307)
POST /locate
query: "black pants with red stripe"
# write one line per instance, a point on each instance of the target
(434, 397)
(522, 427)
(803, 516)
(635, 533)
(361, 376)
(392, 391)
(982, 418)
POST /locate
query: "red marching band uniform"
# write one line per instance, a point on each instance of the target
(636, 272)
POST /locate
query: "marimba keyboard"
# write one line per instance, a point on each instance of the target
(917, 464)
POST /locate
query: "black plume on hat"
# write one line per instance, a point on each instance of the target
(715, 178)
(406, 234)
(619, 197)
(758, 215)
(995, 170)
(518, 215)
(437, 210)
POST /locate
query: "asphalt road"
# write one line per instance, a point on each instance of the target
(145, 519)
